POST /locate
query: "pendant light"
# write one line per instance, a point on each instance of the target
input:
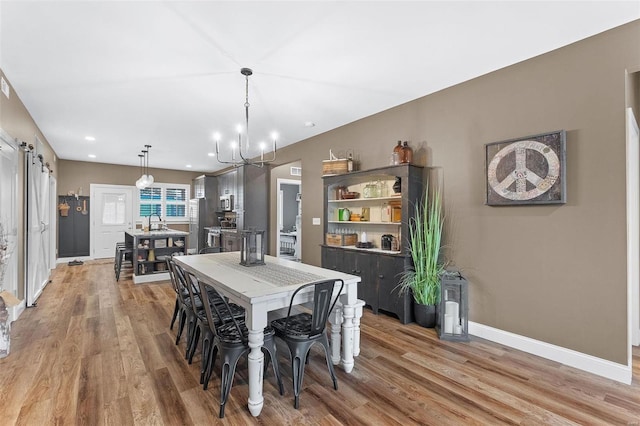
(139, 183)
(148, 178)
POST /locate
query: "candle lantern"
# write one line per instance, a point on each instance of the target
(252, 252)
(453, 319)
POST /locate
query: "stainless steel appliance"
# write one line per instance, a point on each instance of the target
(214, 238)
(386, 242)
(201, 215)
(226, 202)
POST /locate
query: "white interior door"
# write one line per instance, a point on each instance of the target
(633, 229)
(9, 216)
(112, 215)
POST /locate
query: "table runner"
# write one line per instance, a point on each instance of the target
(274, 273)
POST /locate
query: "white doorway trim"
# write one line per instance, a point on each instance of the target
(279, 183)
(131, 209)
(633, 232)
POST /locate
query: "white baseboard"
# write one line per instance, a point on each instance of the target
(601, 367)
(17, 310)
(139, 279)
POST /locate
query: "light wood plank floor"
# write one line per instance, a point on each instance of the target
(99, 352)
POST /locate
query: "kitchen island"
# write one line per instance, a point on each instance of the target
(150, 250)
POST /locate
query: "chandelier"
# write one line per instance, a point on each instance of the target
(146, 179)
(243, 145)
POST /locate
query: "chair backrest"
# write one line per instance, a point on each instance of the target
(172, 274)
(322, 303)
(221, 310)
(209, 250)
(183, 283)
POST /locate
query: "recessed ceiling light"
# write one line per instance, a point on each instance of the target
(309, 124)
(188, 166)
(211, 154)
(90, 138)
(92, 156)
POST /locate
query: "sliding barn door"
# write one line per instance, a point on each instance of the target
(38, 227)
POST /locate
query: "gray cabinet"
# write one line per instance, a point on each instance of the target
(249, 186)
(227, 183)
(151, 251)
(380, 270)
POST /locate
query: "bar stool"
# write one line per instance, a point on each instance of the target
(122, 252)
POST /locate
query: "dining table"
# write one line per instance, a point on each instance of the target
(268, 287)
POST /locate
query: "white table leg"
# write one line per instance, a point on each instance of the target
(256, 368)
(348, 312)
(356, 327)
(335, 318)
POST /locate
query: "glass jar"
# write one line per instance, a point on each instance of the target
(370, 191)
(400, 155)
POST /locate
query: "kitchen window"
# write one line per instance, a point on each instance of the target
(168, 200)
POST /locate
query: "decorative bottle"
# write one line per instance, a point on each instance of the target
(350, 163)
(399, 154)
(407, 153)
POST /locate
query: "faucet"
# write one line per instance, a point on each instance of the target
(159, 218)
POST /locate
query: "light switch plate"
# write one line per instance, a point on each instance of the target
(4, 86)
(316, 221)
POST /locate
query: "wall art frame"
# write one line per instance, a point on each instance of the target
(526, 171)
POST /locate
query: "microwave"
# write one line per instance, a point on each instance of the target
(226, 202)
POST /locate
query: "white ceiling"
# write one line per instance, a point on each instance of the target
(167, 74)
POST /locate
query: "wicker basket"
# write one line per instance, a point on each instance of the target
(334, 167)
(341, 239)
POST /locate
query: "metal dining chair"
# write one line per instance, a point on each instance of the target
(230, 339)
(301, 331)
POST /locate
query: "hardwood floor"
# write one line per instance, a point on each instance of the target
(99, 352)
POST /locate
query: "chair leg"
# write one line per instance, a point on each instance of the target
(269, 347)
(206, 349)
(211, 361)
(230, 360)
(298, 352)
(325, 343)
(175, 314)
(193, 345)
(181, 323)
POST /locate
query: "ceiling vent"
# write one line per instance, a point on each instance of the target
(296, 171)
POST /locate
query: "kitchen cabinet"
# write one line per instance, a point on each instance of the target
(387, 212)
(205, 187)
(249, 186)
(227, 183)
(150, 251)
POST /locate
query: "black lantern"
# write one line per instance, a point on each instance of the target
(252, 252)
(453, 320)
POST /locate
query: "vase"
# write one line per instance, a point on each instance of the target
(425, 315)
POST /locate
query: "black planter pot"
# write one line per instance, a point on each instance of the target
(426, 315)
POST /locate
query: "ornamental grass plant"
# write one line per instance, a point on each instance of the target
(425, 238)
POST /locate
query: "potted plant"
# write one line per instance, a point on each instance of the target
(423, 279)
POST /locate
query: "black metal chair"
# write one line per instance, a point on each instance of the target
(230, 339)
(183, 310)
(179, 305)
(302, 330)
(200, 325)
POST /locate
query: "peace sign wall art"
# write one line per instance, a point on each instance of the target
(527, 171)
